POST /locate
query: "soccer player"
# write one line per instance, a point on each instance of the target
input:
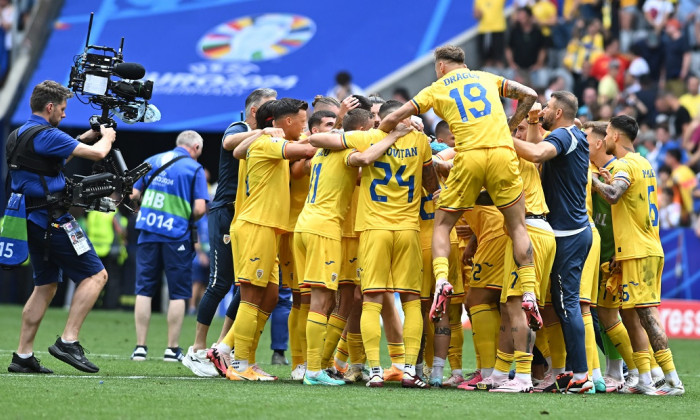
(616, 340)
(221, 213)
(317, 246)
(387, 216)
(564, 157)
(265, 214)
(470, 102)
(631, 189)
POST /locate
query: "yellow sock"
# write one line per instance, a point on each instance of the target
(654, 364)
(542, 343)
(523, 362)
(528, 278)
(557, 347)
(665, 359)
(412, 330)
(397, 352)
(334, 330)
(371, 331)
(294, 344)
(315, 336)
(262, 320)
(441, 268)
(454, 354)
(483, 320)
(642, 359)
(476, 348)
(301, 328)
(341, 353)
(245, 326)
(504, 361)
(621, 340)
(356, 349)
(429, 349)
(230, 339)
(591, 346)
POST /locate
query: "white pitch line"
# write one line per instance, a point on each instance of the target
(177, 378)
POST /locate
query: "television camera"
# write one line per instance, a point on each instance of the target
(91, 78)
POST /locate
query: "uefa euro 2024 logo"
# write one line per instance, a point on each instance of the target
(257, 38)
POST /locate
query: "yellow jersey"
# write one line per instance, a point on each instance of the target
(691, 103)
(544, 11)
(329, 194)
(390, 187)
(426, 219)
(486, 222)
(493, 16)
(589, 192)
(532, 185)
(684, 177)
(266, 184)
(635, 217)
(240, 189)
(470, 102)
(349, 221)
(298, 189)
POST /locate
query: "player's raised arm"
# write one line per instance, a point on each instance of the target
(392, 120)
(526, 96)
(333, 141)
(241, 148)
(376, 151)
(233, 140)
(535, 153)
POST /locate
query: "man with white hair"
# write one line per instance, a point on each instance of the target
(173, 195)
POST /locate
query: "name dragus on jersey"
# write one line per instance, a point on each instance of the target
(460, 76)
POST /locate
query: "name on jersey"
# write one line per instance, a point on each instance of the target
(460, 76)
(323, 152)
(402, 153)
(648, 173)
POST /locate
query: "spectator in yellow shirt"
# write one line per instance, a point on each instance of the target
(491, 31)
(691, 99)
(684, 182)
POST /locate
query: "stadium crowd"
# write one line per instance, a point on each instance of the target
(343, 243)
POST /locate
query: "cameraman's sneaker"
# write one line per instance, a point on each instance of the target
(73, 354)
(529, 305)
(28, 365)
(139, 354)
(173, 354)
(197, 362)
(443, 291)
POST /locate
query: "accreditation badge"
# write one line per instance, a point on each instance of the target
(77, 237)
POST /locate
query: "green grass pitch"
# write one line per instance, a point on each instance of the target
(155, 389)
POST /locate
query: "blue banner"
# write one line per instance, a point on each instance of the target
(206, 56)
(681, 276)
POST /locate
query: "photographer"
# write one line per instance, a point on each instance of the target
(36, 172)
(174, 196)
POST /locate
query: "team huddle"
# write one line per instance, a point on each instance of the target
(532, 225)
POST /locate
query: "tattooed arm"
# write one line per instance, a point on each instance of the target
(610, 192)
(526, 96)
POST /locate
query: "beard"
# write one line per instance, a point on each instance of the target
(547, 123)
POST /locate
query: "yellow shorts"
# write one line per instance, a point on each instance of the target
(317, 259)
(496, 169)
(487, 272)
(390, 261)
(254, 253)
(348, 266)
(607, 299)
(544, 246)
(591, 269)
(641, 282)
(427, 287)
(288, 270)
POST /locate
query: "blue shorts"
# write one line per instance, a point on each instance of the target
(220, 255)
(175, 257)
(200, 274)
(62, 257)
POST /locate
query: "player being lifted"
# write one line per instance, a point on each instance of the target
(389, 255)
(470, 103)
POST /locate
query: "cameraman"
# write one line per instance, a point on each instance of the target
(174, 196)
(49, 225)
